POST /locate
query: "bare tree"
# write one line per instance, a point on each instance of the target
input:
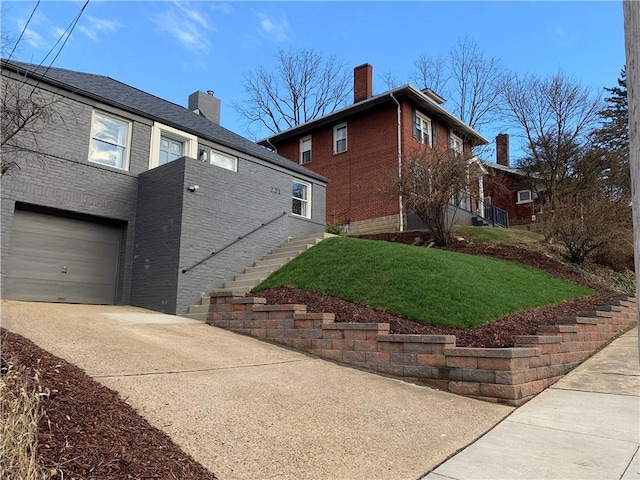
(390, 81)
(26, 113)
(431, 72)
(470, 79)
(429, 184)
(304, 86)
(553, 116)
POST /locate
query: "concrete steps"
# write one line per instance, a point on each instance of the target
(254, 275)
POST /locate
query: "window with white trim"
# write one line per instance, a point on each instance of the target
(456, 144)
(169, 144)
(170, 149)
(110, 140)
(340, 138)
(224, 160)
(524, 196)
(305, 150)
(301, 198)
(422, 129)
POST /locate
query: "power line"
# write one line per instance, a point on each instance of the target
(24, 29)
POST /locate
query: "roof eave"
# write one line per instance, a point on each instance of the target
(405, 90)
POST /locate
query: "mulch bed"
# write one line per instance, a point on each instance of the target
(89, 432)
(500, 333)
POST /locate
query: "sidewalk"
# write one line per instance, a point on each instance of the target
(586, 426)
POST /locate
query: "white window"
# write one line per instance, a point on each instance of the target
(524, 196)
(169, 144)
(422, 129)
(301, 199)
(340, 138)
(223, 160)
(305, 150)
(456, 144)
(110, 140)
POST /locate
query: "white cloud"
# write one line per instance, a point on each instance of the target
(96, 26)
(33, 38)
(276, 30)
(187, 25)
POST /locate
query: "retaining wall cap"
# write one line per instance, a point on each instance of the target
(356, 326)
(227, 294)
(250, 300)
(574, 320)
(280, 308)
(412, 338)
(511, 352)
(528, 339)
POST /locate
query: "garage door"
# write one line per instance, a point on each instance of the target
(57, 259)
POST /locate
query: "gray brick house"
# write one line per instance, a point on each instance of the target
(124, 192)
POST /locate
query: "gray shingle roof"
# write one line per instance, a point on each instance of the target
(118, 94)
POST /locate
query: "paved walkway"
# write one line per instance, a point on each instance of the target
(586, 426)
(246, 409)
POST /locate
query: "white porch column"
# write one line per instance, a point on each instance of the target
(481, 195)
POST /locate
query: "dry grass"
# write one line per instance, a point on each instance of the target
(21, 396)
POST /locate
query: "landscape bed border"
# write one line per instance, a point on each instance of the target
(511, 375)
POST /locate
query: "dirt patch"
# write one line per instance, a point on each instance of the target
(88, 431)
(500, 333)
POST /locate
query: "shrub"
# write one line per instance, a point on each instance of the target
(20, 411)
(584, 223)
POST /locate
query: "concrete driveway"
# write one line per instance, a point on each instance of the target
(249, 409)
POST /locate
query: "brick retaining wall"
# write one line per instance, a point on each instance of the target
(505, 375)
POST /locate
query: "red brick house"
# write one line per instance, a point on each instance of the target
(361, 148)
(508, 188)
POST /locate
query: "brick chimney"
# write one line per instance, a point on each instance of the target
(205, 104)
(502, 149)
(362, 82)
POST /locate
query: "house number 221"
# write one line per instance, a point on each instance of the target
(275, 190)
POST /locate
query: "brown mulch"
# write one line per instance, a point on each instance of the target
(89, 432)
(500, 333)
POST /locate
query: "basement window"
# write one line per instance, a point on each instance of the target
(524, 196)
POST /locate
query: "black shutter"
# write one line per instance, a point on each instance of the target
(413, 124)
(434, 143)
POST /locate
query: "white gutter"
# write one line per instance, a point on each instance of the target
(400, 206)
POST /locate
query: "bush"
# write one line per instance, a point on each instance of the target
(20, 411)
(585, 223)
(334, 228)
(617, 253)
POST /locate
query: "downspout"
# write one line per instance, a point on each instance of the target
(400, 206)
(275, 150)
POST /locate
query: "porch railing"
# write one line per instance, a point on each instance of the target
(496, 216)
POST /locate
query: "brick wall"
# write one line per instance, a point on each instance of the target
(61, 178)
(362, 178)
(174, 227)
(505, 375)
(503, 190)
(229, 205)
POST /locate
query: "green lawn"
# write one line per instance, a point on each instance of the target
(497, 235)
(425, 284)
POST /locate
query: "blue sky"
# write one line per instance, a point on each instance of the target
(171, 49)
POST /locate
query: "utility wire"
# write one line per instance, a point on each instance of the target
(24, 29)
